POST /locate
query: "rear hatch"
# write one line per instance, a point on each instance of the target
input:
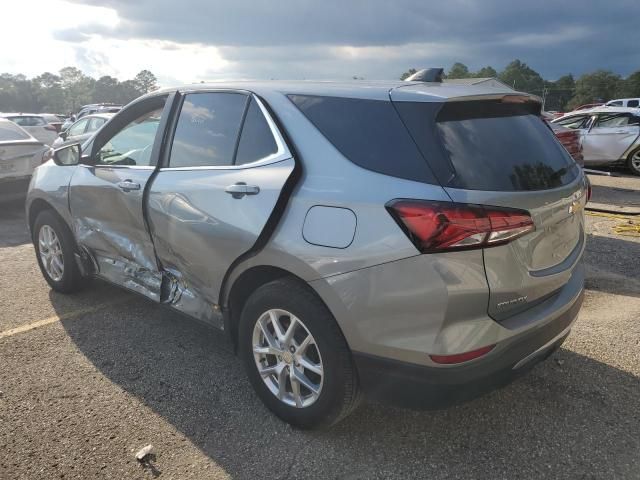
(497, 151)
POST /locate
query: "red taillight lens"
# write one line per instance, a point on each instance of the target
(461, 357)
(51, 128)
(588, 190)
(439, 226)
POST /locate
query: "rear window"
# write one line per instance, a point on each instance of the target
(367, 132)
(25, 121)
(494, 146)
(9, 132)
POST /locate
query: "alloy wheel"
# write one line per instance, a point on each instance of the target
(287, 358)
(50, 251)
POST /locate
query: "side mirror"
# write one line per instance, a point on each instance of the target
(68, 155)
(63, 134)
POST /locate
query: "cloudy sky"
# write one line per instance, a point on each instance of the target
(193, 40)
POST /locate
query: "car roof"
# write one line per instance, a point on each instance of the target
(623, 99)
(21, 114)
(106, 115)
(366, 89)
(611, 109)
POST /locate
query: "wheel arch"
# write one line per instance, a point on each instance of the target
(37, 206)
(245, 284)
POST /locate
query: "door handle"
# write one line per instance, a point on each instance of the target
(240, 189)
(128, 185)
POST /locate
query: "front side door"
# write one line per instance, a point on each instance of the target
(610, 137)
(216, 190)
(106, 197)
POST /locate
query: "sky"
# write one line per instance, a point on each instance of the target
(184, 41)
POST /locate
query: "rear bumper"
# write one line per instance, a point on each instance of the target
(14, 188)
(419, 386)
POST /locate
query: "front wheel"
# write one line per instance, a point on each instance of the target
(633, 162)
(55, 253)
(296, 356)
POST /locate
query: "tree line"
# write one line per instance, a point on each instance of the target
(562, 94)
(68, 90)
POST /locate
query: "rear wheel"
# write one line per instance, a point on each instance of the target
(54, 250)
(296, 357)
(633, 162)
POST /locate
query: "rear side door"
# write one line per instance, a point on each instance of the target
(214, 194)
(106, 196)
(610, 136)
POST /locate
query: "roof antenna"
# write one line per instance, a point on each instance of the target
(427, 75)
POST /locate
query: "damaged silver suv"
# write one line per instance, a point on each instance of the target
(418, 242)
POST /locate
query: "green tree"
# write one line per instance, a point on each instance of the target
(146, 81)
(486, 72)
(599, 86)
(458, 70)
(630, 87)
(520, 76)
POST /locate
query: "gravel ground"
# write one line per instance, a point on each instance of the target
(108, 373)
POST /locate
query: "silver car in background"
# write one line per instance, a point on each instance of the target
(20, 154)
(83, 129)
(36, 125)
(610, 136)
(416, 242)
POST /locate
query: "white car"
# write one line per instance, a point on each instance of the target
(624, 102)
(20, 154)
(36, 125)
(609, 135)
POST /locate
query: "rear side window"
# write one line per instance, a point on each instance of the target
(256, 139)
(10, 132)
(495, 146)
(95, 123)
(576, 121)
(367, 132)
(633, 103)
(207, 130)
(612, 120)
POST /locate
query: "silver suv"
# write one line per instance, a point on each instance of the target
(418, 242)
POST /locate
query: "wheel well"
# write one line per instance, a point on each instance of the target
(37, 206)
(247, 283)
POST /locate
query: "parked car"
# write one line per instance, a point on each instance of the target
(82, 129)
(54, 120)
(418, 242)
(609, 135)
(624, 102)
(570, 140)
(91, 109)
(20, 154)
(35, 124)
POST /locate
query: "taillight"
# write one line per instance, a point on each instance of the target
(51, 128)
(435, 226)
(588, 188)
(461, 357)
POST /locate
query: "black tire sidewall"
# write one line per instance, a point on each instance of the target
(70, 275)
(315, 316)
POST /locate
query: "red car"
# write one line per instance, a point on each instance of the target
(570, 140)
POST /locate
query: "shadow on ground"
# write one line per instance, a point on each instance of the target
(571, 416)
(613, 272)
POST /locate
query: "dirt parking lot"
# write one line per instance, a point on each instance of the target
(87, 380)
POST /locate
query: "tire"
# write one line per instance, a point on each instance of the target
(633, 162)
(70, 279)
(338, 394)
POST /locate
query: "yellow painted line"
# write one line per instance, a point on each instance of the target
(57, 318)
